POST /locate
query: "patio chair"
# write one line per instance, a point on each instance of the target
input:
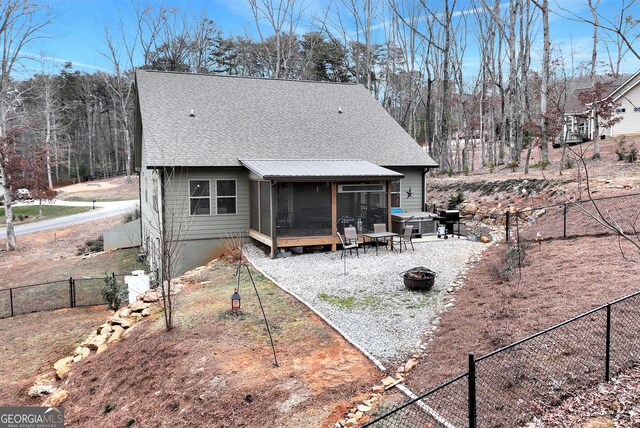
(351, 235)
(347, 244)
(381, 227)
(407, 236)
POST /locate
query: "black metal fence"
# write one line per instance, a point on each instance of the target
(47, 296)
(512, 385)
(597, 217)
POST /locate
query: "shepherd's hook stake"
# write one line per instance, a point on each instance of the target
(275, 358)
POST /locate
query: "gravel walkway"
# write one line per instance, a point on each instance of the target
(370, 304)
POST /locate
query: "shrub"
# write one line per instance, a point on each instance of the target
(632, 155)
(513, 165)
(109, 406)
(544, 164)
(567, 161)
(491, 166)
(450, 171)
(621, 150)
(95, 245)
(134, 214)
(232, 246)
(112, 292)
(455, 200)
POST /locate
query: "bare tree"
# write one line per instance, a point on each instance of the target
(21, 22)
(283, 17)
(544, 84)
(120, 86)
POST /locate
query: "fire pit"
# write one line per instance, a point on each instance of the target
(419, 278)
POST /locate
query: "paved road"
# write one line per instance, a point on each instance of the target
(102, 210)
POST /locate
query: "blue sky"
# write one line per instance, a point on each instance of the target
(77, 32)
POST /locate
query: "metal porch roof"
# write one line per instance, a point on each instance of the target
(272, 169)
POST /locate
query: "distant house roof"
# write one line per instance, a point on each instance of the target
(271, 169)
(210, 120)
(573, 105)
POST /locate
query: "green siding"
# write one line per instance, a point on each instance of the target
(176, 194)
(412, 179)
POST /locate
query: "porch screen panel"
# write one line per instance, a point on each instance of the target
(361, 209)
(254, 206)
(304, 209)
(265, 208)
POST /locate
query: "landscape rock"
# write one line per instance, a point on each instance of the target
(485, 239)
(93, 342)
(410, 365)
(117, 334)
(363, 408)
(146, 312)
(40, 390)
(104, 328)
(378, 389)
(151, 296)
(62, 367)
(57, 398)
(120, 321)
(101, 348)
(351, 422)
(139, 306)
(124, 312)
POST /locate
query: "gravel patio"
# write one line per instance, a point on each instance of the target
(370, 304)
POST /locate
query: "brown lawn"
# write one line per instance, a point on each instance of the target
(30, 344)
(216, 369)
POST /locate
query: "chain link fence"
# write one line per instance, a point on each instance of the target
(512, 385)
(597, 217)
(47, 296)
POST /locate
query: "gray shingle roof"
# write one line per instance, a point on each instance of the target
(246, 118)
(321, 168)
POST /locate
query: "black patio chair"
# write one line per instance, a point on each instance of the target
(407, 236)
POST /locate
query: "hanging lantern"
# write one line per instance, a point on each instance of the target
(235, 301)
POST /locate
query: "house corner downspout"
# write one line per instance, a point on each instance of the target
(424, 189)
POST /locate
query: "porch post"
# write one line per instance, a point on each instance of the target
(388, 204)
(274, 219)
(334, 213)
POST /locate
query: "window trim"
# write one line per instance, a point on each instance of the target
(227, 197)
(399, 192)
(199, 197)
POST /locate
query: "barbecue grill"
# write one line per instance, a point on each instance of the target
(449, 218)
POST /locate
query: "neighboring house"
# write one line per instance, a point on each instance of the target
(291, 162)
(579, 120)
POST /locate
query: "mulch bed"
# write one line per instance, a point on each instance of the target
(563, 278)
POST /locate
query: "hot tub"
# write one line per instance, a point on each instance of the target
(422, 222)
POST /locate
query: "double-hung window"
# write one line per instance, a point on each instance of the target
(226, 197)
(199, 197)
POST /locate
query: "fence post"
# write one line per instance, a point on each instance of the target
(72, 292)
(507, 220)
(11, 299)
(472, 390)
(607, 358)
(564, 221)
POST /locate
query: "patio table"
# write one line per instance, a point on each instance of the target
(377, 236)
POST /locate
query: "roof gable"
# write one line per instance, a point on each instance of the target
(209, 120)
